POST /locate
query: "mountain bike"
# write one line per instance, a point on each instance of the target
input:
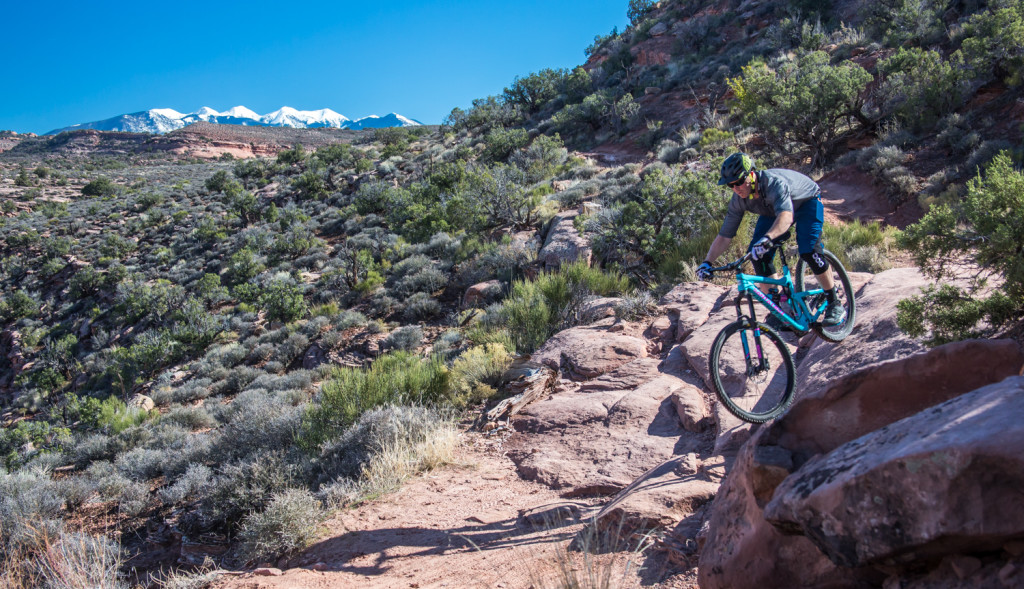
(751, 367)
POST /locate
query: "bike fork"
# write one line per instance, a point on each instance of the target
(752, 367)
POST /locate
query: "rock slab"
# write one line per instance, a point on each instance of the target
(942, 481)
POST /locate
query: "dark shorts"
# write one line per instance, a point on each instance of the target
(808, 218)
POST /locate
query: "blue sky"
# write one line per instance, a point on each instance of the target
(76, 62)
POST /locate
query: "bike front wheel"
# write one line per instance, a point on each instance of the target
(805, 280)
(753, 372)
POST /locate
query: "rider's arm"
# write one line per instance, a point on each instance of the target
(782, 223)
(718, 247)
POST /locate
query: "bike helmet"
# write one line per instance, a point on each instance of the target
(735, 167)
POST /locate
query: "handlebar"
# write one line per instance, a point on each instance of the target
(734, 265)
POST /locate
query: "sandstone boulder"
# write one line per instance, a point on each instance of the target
(141, 401)
(742, 548)
(691, 407)
(875, 337)
(482, 293)
(690, 304)
(314, 356)
(564, 243)
(939, 482)
(588, 352)
(600, 307)
(697, 347)
(882, 393)
(598, 436)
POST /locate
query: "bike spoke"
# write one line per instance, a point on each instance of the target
(757, 385)
(844, 294)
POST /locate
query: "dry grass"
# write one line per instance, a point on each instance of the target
(595, 559)
(68, 560)
(402, 459)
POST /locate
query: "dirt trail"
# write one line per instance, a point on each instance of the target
(459, 526)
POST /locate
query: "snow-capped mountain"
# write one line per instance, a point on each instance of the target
(164, 120)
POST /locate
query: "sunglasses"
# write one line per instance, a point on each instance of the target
(739, 182)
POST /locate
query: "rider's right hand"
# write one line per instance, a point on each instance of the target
(704, 271)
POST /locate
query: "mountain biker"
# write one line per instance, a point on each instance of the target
(779, 197)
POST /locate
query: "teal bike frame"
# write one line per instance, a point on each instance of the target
(803, 316)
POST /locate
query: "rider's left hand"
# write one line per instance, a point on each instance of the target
(761, 247)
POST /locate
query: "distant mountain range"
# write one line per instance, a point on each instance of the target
(164, 120)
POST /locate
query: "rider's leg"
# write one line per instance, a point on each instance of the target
(825, 280)
(809, 219)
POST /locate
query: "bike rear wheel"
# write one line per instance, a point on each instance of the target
(805, 280)
(755, 381)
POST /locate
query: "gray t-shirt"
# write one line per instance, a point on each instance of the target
(780, 190)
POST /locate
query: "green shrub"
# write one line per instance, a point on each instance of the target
(244, 265)
(23, 179)
(535, 310)
(218, 182)
(133, 364)
(43, 436)
(194, 326)
(988, 226)
(643, 229)
(806, 100)
(906, 22)
(310, 184)
(283, 301)
(335, 154)
(291, 156)
(18, 305)
(117, 247)
(289, 523)
(157, 301)
(475, 373)
(485, 114)
(715, 138)
(533, 92)
(101, 186)
(394, 378)
(208, 230)
(499, 192)
(861, 247)
(541, 158)
(109, 415)
(501, 143)
(250, 171)
(993, 44)
(920, 87)
(638, 10)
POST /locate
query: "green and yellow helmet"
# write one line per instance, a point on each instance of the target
(735, 167)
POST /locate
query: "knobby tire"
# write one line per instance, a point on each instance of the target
(835, 333)
(767, 400)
